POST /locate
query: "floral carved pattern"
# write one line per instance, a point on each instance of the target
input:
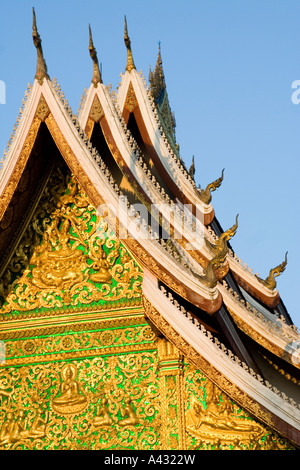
(68, 255)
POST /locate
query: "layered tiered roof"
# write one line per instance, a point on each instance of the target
(122, 150)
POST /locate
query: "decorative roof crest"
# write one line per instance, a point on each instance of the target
(209, 277)
(130, 64)
(41, 67)
(157, 78)
(205, 194)
(93, 53)
(220, 250)
(223, 239)
(192, 169)
(160, 96)
(270, 281)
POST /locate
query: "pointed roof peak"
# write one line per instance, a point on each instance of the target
(159, 59)
(93, 53)
(157, 78)
(41, 67)
(130, 64)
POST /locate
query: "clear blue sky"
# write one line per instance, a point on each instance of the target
(229, 66)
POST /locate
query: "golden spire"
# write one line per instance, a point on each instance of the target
(270, 280)
(130, 64)
(96, 72)
(205, 194)
(41, 67)
(157, 78)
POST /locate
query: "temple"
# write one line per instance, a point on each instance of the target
(127, 320)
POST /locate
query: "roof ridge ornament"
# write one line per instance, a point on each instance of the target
(220, 250)
(157, 77)
(130, 64)
(270, 281)
(158, 90)
(205, 194)
(209, 277)
(223, 239)
(192, 169)
(93, 53)
(41, 67)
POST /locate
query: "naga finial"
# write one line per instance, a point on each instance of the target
(41, 67)
(220, 250)
(231, 231)
(205, 194)
(130, 64)
(192, 169)
(270, 281)
(96, 72)
(223, 238)
(209, 277)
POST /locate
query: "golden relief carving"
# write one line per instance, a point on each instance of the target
(100, 403)
(70, 399)
(236, 394)
(122, 402)
(129, 417)
(43, 110)
(131, 101)
(70, 255)
(59, 268)
(74, 344)
(102, 417)
(96, 112)
(218, 419)
(214, 421)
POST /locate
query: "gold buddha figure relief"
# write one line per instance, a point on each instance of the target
(60, 267)
(38, 427)
(15, 430)
(7, 429)
(128, 414)
(69, 399)
(101, 266)
(12, 430)
(103, 417)
(217, 417)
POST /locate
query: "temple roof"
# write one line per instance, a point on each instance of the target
(196, 291)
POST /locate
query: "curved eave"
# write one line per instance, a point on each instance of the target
(244, 388)
(182, 187)
(147, 192)
(242, 276)
(97, 187)
(268, 331)
(118, 143)
(248, 281)
(251, 284)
